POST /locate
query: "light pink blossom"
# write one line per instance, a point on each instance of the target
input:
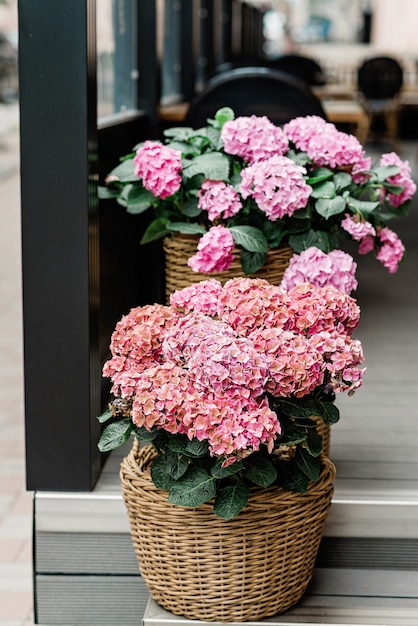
(391, 250)
(159, 167)
(253, 138)
(201, 297)
(277, 185)
(357, 227)
(214, 251)
(219, 199)
(336, 268)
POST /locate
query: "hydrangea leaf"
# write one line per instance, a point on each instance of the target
(186, 228)
(115, 435)
(219, 472)
(324, 190)
(260, 470)
(308, 464)
(365, 207)
(190, 208)
(342, 180)
(231, 500)
(252, 261)
(161, 472)
(386, 171)
(250, 238)
(213, 165)
(327, 207)
(328, 411)
(105, 416)
(195, 487)
(313, 442)
(125, 171)
(156, 230)
(139, 199)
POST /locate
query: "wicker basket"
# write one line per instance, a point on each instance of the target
(202, 567)
(179, 248)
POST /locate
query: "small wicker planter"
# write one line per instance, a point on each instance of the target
(202, 567)
(179, 248)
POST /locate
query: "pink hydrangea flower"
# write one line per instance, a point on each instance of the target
(342, 357)
(219, 199)
(300, 130)
(404, 178)
(315, 309)
(391, 251)
(136, 344)
(366, 244)
(326, 145)
(253, 138)
(277, 185)
(201, 297)
(357, 228)
(337, 268)
(214, 251)
(159, 168)
(245, 303)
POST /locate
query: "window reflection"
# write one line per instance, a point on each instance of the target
(117, 73)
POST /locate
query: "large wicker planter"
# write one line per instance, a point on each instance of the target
(202, 567)
(179, 248)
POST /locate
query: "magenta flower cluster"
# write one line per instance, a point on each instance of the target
(159, 168)
(336, 268)
(207, 365)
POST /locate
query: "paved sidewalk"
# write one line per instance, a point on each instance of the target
(16, 600)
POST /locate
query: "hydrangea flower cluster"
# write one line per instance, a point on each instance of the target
(245, 185)
(211, 366)
(337, 268)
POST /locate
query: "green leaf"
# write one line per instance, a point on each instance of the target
(190, 208)
(213, 165)
(231, 500)
(179, 133)
(300, 158)
(125, 171)
(196, 448)
(105, 193)
(319, 175)
(142, 434)
(386, 171)
(363, 206)
(185, 228)
(220, 472)
(298, 409)
(342, 180)
(260, 470)
(139, 199)
(161, 472)
(324, 190)
(250, 238)
(105, 416)
(313, 442)
(115, 435)
(395, 189)
(329, 413)
(252, 261)
(328, 208)
(179, 465)
(320, 239)
(195, 487)
(291, 477)
(156, 230)
(225, 114)
(308, 464)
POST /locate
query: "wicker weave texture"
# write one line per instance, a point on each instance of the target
(202, 567)
(178, 274)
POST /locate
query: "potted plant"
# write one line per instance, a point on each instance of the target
(222, 386)
(231, 194)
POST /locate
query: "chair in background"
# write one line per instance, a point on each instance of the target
(254, 91)
(379, 81)
(304, 68)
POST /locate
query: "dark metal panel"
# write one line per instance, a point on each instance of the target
(60, 242)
